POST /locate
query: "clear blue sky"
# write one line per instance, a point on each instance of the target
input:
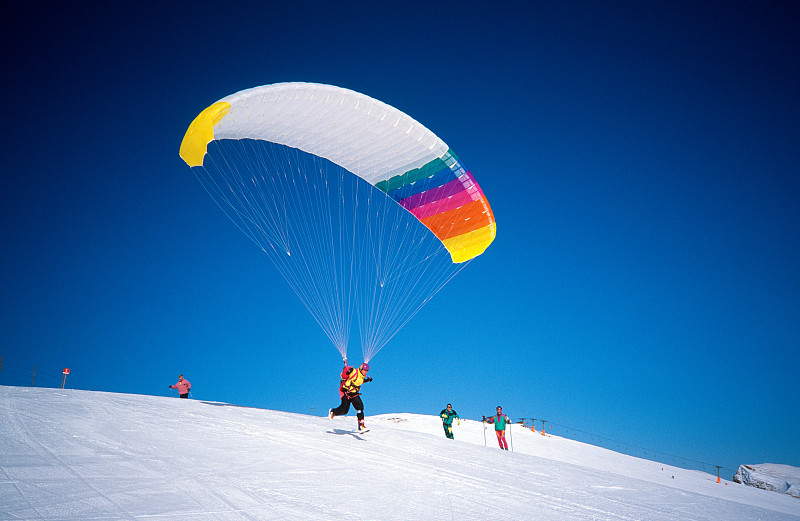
(641, 159)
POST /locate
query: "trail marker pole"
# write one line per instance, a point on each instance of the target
(34, 375)
(64, 379)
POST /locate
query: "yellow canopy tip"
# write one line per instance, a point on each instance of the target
(201, 133)
(468, 246)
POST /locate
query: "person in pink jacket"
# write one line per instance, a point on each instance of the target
(183, 386)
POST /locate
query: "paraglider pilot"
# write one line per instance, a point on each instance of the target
(351, 381)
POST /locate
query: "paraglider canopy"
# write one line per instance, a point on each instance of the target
(352, 199)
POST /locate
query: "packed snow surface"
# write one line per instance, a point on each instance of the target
(81, 455)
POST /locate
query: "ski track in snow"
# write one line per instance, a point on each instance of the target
(78, 455)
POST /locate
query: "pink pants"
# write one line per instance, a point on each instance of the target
(501, 439)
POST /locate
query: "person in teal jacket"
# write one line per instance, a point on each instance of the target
(499, 421)
(447, 416)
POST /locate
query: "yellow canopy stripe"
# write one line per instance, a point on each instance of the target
(201, 133)
(464, 247)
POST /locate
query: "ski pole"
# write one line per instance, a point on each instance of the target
(484, 431)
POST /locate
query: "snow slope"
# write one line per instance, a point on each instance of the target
(80, 455)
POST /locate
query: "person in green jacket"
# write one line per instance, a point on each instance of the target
(447, 416)
(499, 421)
